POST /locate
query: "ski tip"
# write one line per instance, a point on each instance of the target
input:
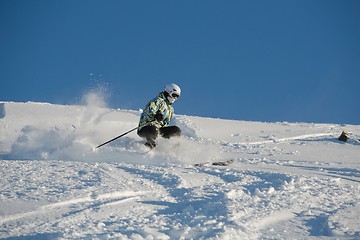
(223, 163)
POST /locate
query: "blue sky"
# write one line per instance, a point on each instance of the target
(295, 61)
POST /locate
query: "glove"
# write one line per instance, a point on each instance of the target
(158, 116)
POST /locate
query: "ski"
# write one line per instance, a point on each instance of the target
(220, 163)
(223, 163)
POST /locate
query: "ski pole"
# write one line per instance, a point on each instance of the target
(143, 125)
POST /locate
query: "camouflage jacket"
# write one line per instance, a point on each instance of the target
(160, 103)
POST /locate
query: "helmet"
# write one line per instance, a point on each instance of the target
(172, 92)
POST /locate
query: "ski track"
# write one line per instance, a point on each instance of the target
(107, 199)
(273, 190)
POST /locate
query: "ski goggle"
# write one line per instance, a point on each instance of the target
(175, 95)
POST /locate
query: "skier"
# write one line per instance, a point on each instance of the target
(158, 113)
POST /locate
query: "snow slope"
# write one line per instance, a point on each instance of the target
(288, 181)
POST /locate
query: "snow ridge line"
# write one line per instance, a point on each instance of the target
(112, 195)
(116, 197)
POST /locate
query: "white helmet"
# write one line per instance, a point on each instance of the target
(173, 92)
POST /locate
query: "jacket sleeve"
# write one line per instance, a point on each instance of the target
(150, 111)
(153, 108)
(165, 110)
(155, 105)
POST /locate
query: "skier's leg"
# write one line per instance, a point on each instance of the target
(168, 132)
(150, 133)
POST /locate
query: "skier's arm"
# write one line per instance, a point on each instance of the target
(153, 108)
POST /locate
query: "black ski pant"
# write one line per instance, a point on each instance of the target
(150, 133)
